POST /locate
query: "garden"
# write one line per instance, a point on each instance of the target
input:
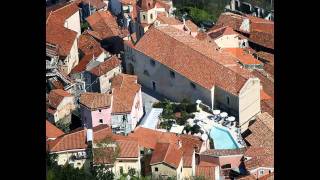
(177, 113)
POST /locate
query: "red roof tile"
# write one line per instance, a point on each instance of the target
(106, 66)
(99, 4)
(229, 19)
(88, 45)
(244, 57)
(164, 19)
(56, 33)
(95, 100)
(166, 153)
(104, 23)
(264, 95)
(82, 65)
(124, 91)
(261, 157)
(182, 53)
(56, 96)
(52, 131)
(206, 170)
(193, 27)
(262, 38)
(225, 30)
(224, 152)
(162, 4)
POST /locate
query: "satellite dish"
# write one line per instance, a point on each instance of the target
(204, 137)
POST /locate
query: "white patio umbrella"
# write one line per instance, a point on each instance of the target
(231, 119)
(216, 112)
(224, 114)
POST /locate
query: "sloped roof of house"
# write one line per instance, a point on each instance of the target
(260, 24)
(189, 145)
(106, 66)
(262, 38)
(124, 91)
(56, 33)
(229, 19)
(98, 4)
(193, 27)
(197, 60)
(82, 65)
(95, 100)
(104, 23)
(167, 153)
(261, 157)
(267, 105)
(153, 137)
(262, 131)
(69, 141)
(266, 56)
(243, 56)
(224, 152)
(164, 19)
(222, 31)
(206, 170)
(88, 45)
(56, 96)
(264, 95)
(52, 131)
(162, 4)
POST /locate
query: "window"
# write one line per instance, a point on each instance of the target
(226, 166)
(144, 17)
(78, 164)
(145, 72)
(193, 85)
(181, 169)
(152, 62)
(228, 100)
(261, 172)
(151, 16)
(99, 110)
(172, 74)
(142, 152)
(156, 169)
(100, 121)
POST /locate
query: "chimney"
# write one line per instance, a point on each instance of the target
(89, 135)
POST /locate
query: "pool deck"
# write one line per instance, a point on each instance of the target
(207, 125)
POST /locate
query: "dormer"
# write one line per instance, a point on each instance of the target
(147, 11)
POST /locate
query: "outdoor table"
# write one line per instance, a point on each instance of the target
(224, 114)
(216, 112)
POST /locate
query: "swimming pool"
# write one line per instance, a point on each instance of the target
(222, 139)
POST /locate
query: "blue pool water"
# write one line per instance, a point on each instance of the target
(222, 139)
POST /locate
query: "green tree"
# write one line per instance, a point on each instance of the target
(132, 172)
(101, 172)
(63, 125)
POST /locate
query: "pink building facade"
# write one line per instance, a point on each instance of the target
(92, 118)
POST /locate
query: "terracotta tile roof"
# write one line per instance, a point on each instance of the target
(164, 19)
(124, 91)
(260, 24)
(182, 53)
(95, 34)
(262, 131)
(56, 96)
(261, 157)
(266, 57)
(146, 5)
(162, 4)
(262, 38)
(77, 139)
(70, 141)
(95, 100)
(56, 33)
(224, 152)
(268, 106)
(154, 137)
(267, 84)
(88, 45)
(206, 170)
(264, 95)
(98, 4)
(128, 149)
(222, 31)
(241, 55)
(166, 153)
(82, 65)
(229, 19)
(193, 27)
(52, 131)
(189, 144)
(106, 66)
(104, 23)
